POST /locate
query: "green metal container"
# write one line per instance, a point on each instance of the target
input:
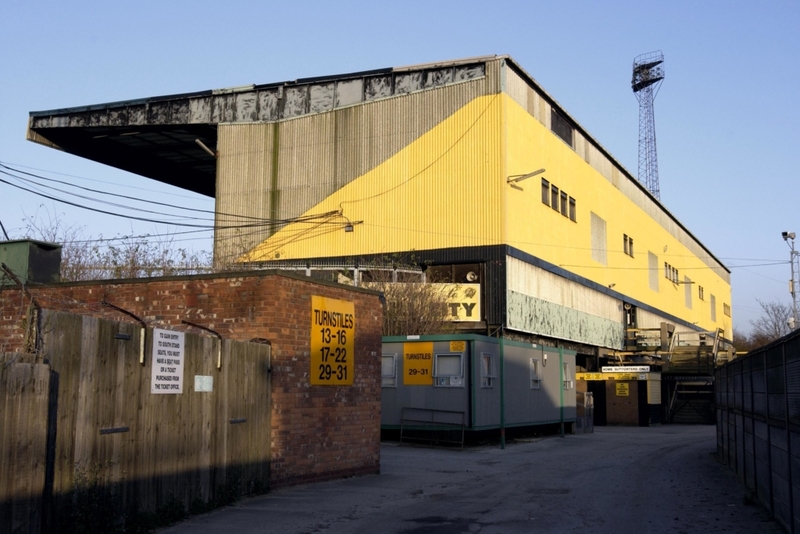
(33, 262)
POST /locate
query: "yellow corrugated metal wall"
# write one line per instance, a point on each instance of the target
(545, 233)
(413, 172)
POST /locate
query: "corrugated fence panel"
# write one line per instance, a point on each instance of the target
(766, 440)
(739, 445)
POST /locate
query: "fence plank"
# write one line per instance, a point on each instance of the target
(24, 394)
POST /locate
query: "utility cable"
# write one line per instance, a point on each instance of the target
(128, 197)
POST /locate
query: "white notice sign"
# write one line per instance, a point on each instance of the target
(167, 374)
(625, 369)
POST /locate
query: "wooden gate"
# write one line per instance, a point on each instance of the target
(137, 452)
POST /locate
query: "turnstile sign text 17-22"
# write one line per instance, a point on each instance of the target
(333, 326)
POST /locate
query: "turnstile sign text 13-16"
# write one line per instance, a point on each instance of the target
(333, 327)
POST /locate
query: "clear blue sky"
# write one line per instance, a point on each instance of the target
(726, 115)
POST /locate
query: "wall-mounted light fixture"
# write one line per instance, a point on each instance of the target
(514, 178)
(348, 227)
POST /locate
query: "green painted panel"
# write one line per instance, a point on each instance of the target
(530, 314)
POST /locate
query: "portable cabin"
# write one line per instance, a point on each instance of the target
(471, 382)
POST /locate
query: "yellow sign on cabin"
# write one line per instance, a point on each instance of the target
(622, 389)
(418, 364)
(333, 328)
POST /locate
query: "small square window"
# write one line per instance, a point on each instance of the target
(545, 192)
(448, 370)
(536, 373)
(389, 370)
(569, 381)
(487, 370)
(554, 197)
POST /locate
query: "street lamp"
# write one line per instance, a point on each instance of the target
(794, 261)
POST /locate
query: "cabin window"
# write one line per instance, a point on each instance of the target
(487, 370)
(448, 370)
(569, 381)
(389, 370)
(536, 373)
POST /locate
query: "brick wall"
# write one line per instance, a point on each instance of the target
(318, 432)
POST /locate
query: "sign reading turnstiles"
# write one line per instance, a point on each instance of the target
(333, 328)
(418, 363)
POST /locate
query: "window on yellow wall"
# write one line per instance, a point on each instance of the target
(700, 293)
(545, 192)
(627, 244)
(561, 126)
(713, 307)
(599, 240)
(553, 197)
(688, 291)
(572, 210)
(564, 205)
(652, 264)
(726, 309)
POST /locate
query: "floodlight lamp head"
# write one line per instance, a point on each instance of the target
(787, 235)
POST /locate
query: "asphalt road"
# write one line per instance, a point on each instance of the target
(617, 480)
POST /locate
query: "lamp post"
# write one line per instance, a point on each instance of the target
(794, 283)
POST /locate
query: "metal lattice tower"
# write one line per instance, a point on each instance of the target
(648, 73)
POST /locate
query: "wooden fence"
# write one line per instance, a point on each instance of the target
(758, 424)
(24, 394)
(87, 442)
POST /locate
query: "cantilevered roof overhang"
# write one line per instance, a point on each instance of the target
(154, 137)
(173, 138)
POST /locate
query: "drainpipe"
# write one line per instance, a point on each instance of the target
(219, 337)
(142, 332)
